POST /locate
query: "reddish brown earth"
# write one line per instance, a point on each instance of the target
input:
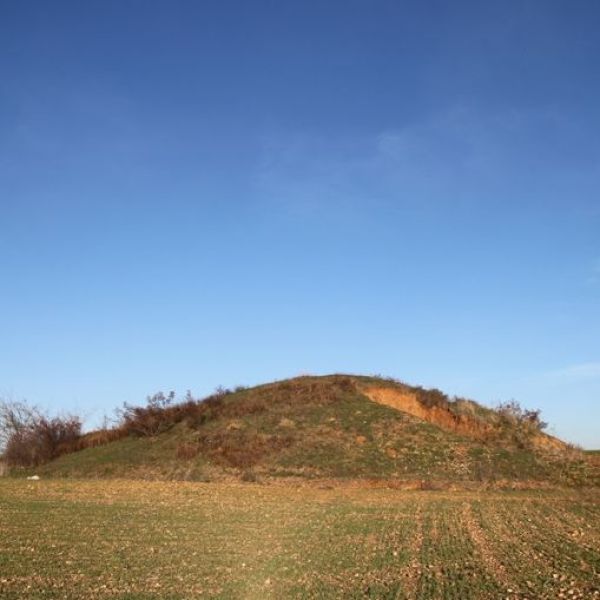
(408, 402)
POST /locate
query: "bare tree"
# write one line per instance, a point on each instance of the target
(15, 418)
(29, 437)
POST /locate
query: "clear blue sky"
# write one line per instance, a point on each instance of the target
(219, 192)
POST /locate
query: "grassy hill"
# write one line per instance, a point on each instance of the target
(335, 426)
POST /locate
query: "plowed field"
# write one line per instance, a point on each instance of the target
(134, 540)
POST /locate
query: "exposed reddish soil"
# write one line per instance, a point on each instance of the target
(408, 402)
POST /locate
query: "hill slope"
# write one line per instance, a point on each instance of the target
(335, 426)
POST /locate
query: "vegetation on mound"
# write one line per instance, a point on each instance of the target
(29, 437)
(316, 427)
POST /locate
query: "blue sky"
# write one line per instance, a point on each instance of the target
(205, 193)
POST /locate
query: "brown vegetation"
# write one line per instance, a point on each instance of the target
(31, 438)
(241, 448)
(332, 426)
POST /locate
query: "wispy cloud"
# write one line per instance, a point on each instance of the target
(573, 373)
(459, 156)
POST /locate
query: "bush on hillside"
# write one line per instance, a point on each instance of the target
(15, 417)
(29, 437)
(159, 415)
(162, 412)
(432, 397)
(514, 413)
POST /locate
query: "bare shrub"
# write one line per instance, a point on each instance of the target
(15, 418)
(433, 397)
(514, 413)
(33, 438)
(160, 400)
(159, 415)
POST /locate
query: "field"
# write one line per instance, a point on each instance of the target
(126, 539)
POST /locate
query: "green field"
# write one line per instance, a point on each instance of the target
(126, 539)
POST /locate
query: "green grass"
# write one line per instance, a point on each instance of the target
(140, 540)
(317, 427)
